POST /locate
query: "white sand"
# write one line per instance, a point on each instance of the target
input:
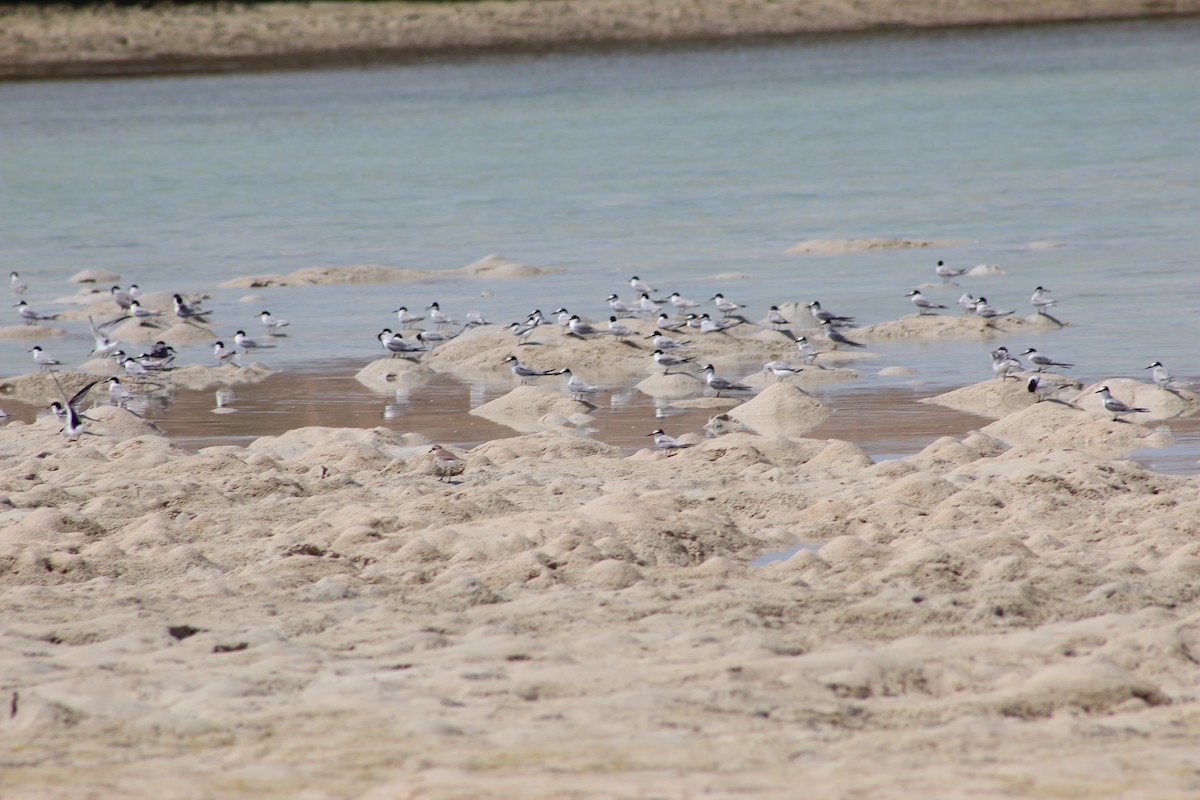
(317, 615)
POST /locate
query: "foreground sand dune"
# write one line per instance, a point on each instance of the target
(319, 615)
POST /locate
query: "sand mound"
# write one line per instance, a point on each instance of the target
(494, 266)
(995, 398)
(943, 325)
(389, 374)
(43, 388)
(675, 386)
(532, 408)
(836, 246)
(29, 332)
(94, 275)
(1162, 403)
(781, 410)
(1055, 425)
(196, 376)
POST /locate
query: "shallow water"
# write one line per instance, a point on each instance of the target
(677, 165)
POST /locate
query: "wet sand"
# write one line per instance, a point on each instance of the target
(40, 42)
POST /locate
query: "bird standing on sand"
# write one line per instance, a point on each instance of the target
(1114, 406)
(525, 373)
(667, 360)
(1042, 362)
(669, 443)
(719, 384)
(446, 464)
(835, 336)
(1163, 380)
(1040, 301)
(581, 328)
(1043, 389)
(776, 318)
(1004, 364)
(726, 307)
(808, 354)
(821, 315)
(923, 304)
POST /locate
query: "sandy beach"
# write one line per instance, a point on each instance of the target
(760, 611)
(345, 613)
(54, 41)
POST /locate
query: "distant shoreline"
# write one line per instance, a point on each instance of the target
(61, 42)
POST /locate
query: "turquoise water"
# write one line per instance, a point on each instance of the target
(675, 164)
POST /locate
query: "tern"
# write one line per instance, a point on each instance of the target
(726, 307)
(16, 285)
(73, 421)
(185, 311)
(667, 343)
(640, 286)
(396, 344)
(104, 346)
(43, 359)
(776, 318)
(947, 273)
(667, 324)
(618, 306)
(406, 317)
(434, 338)
(475, 319)
(246, 343)
(986, 311)
(967, 304)
(576, 385)
(669, 443)
(619, 329)
(137, 312)
(1043, 389)
(1040, 301)
(1004, 364)
(525, 373)
(1042, 362)
(822, 315)
(118, 393)
(681, 302)
(807, 353)
(272, 323)
(581, 328)
(122, 298)
(439, 317)
(1114, 406)
(223, 354)
(923, 304)
(667, 360)
(719, 384)
(647, 305)
(833, 335)
(1163, 379)
(781, 369)
(29, 315)
(522, 330)
(708, 325)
